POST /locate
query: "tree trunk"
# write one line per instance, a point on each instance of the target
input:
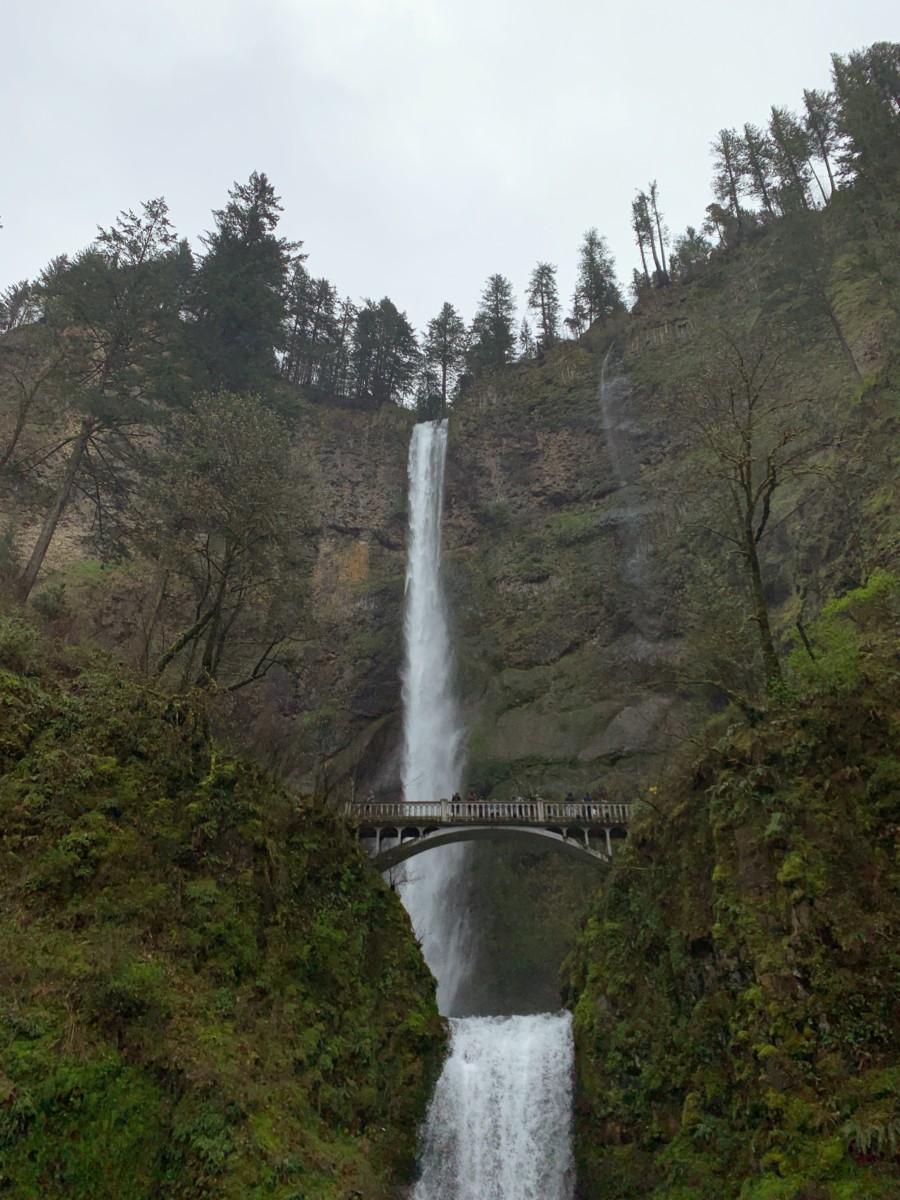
(761, 610)
(643, 258)
(159, 594)
(208, 663)
(64, 491)
(839, 333)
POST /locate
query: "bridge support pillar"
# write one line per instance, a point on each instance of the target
(608, 842)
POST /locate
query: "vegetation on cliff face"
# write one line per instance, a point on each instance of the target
(205, 990)
(735, 984)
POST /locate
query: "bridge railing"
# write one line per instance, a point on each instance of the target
(509, 812)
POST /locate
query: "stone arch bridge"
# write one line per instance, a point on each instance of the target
(394, 832)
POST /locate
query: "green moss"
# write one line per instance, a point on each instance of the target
(207, 990)
(735, 1012)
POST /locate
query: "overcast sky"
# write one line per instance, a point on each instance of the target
(418, 145)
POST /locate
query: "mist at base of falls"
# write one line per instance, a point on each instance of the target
(499, 1123)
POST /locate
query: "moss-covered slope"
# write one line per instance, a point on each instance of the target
(735, 986)
(204, 989)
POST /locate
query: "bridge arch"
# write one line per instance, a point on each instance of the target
(414, 841)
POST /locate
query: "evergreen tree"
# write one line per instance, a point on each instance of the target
(429, 403)
(114, 313)
(662, 232)
(385, 353)
(640, 223)
(444, 351)
(820, 121)
(240, 290)
(596, 292)
(527, 347)
(337, 372)
(651, 234)
(758, 158)
(19, 305)
(492, 339)
(790, 159)
(311, 329)
(690, 253)
(543, 300)
(728, 179)
(867, 89)
(640, 283)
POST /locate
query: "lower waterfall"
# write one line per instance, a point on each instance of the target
(499, 1123)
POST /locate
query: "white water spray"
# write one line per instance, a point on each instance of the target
(431, 725)
(499, 1124)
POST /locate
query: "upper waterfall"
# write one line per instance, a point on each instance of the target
(432, 732)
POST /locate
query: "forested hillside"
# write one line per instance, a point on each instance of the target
(204, 988)
(671, 556)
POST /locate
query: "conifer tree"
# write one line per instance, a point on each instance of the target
(596, 292)
(543, 300)
(650, 234)
(311, 329)
(492, 339)
(728, 178)
(240, 290)
(758, 159)
(114, 313)
(690, 252)
(444, 350)
(385, 353)
(867, 89)
(790, 158)
(820, 121)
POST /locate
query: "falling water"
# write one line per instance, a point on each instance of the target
(431, 725)
(499, 1124)
(613, 388)
(613, 394)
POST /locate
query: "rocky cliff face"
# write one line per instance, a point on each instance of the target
(335, 725)
(562, 631)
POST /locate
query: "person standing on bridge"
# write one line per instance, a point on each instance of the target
(455, 802)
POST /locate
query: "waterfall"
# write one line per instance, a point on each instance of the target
(613, 395)
(614, 388)
(432, 750)
(499, 1123)
(431, 728)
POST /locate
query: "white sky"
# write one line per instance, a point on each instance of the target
(417, 145)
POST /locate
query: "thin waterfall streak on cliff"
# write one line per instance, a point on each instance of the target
(432, 734)
(613, 391)
(612, 388)
(499, 1125)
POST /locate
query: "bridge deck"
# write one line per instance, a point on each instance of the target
(486, 812)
